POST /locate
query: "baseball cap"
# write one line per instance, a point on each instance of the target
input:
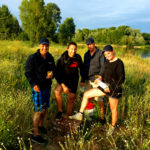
(108, 48)
(89, 41)
(44, 41)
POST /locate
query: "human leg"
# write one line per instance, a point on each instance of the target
(100, 104)
(70, 104)
(42, 117)
(40, 103)
(36, 120)
(101, 108)
(58, 97)
(41, 122)
(88, 95)
(113, 107)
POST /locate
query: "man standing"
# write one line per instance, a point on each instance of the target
(39, 71)
(67, 76)
(94, 61)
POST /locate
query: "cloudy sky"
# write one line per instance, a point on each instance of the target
(94, 14)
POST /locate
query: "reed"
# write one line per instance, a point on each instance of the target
(17, 110)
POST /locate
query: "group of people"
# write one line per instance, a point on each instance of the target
(102, 74)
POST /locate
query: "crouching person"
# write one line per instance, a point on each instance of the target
(39, 71)
(113, 77)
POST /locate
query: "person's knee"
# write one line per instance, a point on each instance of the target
(86, 95)
(114, 110)
(43, 111)
(36, 117)
(57, 92)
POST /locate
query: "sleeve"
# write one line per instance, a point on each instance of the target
(120, 73)
(82, 72)
(59, 71)
(102, 64)
(53, 67)
(29, 71)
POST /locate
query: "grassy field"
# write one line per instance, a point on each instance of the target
(16, 108)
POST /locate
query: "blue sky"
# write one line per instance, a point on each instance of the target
(93, 14)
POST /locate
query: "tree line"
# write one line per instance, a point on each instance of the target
(40, 20)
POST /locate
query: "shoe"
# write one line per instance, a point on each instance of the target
(77, 116)
(103, 121)
(42, 130)
(59, 115)
(110, 130)
(38, 139)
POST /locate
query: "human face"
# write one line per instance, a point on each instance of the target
(44, 49)
(72, 50)
(91, 47)
(109, 55)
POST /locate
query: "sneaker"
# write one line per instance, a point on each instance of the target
(59, 115)
(42, 130)
(38, 139)
(77, 116)
(103, 121)
(110, 130)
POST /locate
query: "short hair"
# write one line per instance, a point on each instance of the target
(72, 43)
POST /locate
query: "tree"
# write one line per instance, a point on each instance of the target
(78, 37)
(9, 25)
(39, 20)
(85, 33)
(66, 30)
(146, 37)
(31, 15)
(54, 12)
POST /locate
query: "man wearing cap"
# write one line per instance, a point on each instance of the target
(94, 66)
(39, 69)
(113, 77)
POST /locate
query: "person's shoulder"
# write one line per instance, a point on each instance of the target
(86, 53)
(62, 57)
(78, 56)
(120, 62)
(50, 56)
(32, 56)
(99, 51)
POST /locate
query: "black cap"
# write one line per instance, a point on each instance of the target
(44, 41)
(89, 41)
(108, 48)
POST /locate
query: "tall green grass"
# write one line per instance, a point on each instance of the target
(16, 108)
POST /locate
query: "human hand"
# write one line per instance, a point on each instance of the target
(98, 77)
(65, 88)
(96, 81)
(49, 75)
(107, 89)
(36, 88)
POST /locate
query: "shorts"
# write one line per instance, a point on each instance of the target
(90, 85)
(40, 99)
(72, 86)
(115, 95)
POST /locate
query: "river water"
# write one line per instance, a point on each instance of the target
(144, 53)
